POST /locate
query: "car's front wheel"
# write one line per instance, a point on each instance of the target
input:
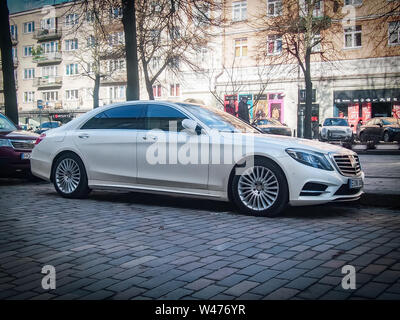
(261, 189)
(386, 137)
(69, 176)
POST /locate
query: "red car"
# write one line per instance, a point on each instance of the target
(15, 149)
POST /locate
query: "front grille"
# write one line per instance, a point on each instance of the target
(348, 165)
(23, 144)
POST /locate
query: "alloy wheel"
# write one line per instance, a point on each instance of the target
(68, 175)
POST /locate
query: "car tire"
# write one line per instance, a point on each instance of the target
(254, 191)
(362, 137)
(69, 176)
(386, 137)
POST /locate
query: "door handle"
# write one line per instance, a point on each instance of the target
(83, 136)
(154, 138)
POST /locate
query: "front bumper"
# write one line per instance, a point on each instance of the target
(11, 162)
(298, 175)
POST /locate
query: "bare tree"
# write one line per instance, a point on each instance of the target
(293, 31)
(7, 63)
(169, 32)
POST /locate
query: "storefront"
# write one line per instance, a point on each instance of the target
(363, 105)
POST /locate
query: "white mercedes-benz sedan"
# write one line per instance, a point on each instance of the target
(192, 150)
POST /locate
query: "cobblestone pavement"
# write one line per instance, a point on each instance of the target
(130, 245)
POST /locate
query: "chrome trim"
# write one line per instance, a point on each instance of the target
(347, 168)
(27, 144)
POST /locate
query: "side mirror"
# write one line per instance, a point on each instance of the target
(380, 124)
(352, 126)
(284, 124)
(191, 126)
(320, 125)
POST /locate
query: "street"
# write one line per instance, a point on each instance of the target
(125, 245)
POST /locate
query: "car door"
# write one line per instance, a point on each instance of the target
(161, 157)
(107, 143)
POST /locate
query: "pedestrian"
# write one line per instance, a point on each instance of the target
(243, 111)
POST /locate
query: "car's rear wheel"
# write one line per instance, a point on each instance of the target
(363, 137)
(69, 176)
(261, 190)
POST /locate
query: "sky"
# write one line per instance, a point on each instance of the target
(23, 5)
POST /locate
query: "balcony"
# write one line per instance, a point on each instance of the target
(48, 58)
(47, 82)
(47, 34)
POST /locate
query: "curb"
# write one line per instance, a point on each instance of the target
(380, 200)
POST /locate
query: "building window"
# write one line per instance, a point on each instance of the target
(71, 44)
(117, 92)
(155, 63)
(157, 91)
(49, 71)
(274, 45)
(316, 46)
(239, 10)
(174, 63)
(51, 46)
(71, 94)
(71, 19)
(114, 65)
(29, 73)
(352, 37)
(174, 33)
(241, 47)
(116, 39)
(394, 33)
(90, 16)
(14, 53)
(90, 67)
(352, 2)
(202, 14)
(29, 27)
(318, 9)
(174, 90)
(71, 69)
(116, 13)
(274, 8)
(28, 51)
(50, 96)
(48, 24)
(13, 32)
(29, 96)
(91, 41)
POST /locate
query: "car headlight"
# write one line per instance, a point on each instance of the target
(310, 158)
(5, 143)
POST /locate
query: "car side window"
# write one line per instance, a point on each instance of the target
(124, 117)
(164, 118)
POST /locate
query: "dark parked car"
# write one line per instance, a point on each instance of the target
(15, 148)
(378, 129)
(47, 126)
(272, 126)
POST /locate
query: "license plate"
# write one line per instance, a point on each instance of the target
(25, 156)
(355, 183)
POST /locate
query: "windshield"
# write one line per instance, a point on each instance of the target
(268, 121)
(389, 121)
(218, 119)
(336, 122)
(6, 125)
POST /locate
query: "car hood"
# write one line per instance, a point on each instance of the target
(285, 142)
(19, 135)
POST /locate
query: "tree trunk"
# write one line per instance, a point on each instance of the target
(308, 108)
(149, 84)
(96, 91)
(132, 68)
(7, 63)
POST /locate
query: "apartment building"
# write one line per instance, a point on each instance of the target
(359, 81)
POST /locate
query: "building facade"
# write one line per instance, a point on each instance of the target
(361, 80)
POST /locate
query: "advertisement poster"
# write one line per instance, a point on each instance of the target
(275, 102)
(231, 104)
(260, 107)
(396, 111)
(352, 114)
(366, 111)
(249, 103)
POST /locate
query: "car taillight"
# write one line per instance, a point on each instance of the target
(41, 137)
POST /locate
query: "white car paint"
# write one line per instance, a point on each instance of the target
(115, 159)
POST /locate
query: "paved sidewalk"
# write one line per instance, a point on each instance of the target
(136, 246)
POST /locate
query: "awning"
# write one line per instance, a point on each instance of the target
(371, 95)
